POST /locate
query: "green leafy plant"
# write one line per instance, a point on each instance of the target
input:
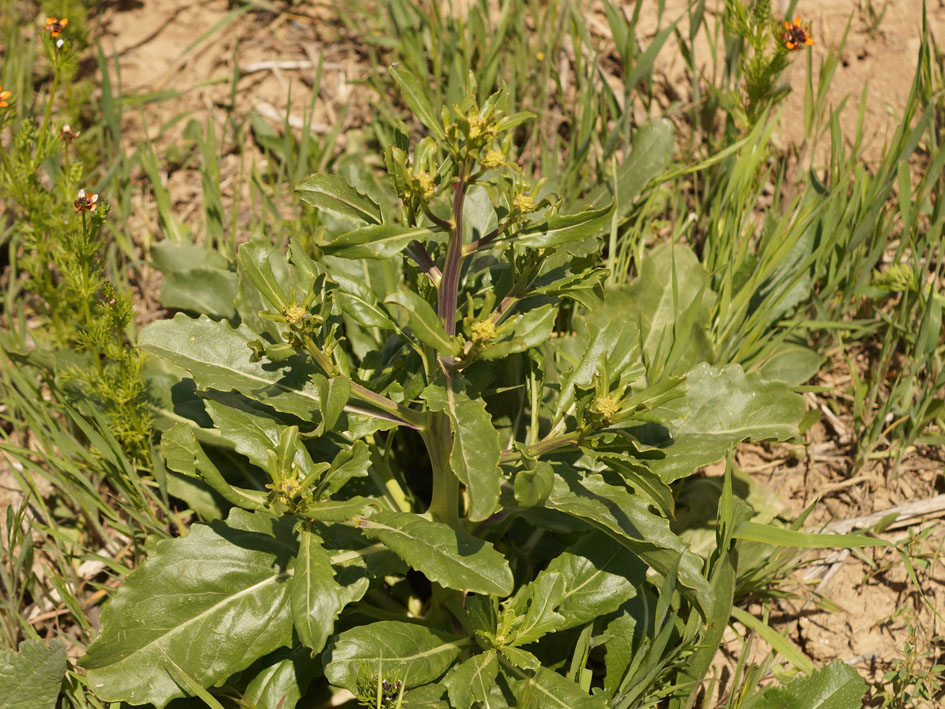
(433, 452)
(58, 242)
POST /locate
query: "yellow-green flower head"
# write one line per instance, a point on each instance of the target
(294, 314)
(524, 203)
(426, 184)
(482, 331)
(606, 406)
(492, 158)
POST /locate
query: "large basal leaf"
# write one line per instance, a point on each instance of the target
(218, 357)
(652, 150)
(549, 690)
(472, 680)
(599, 573)
(209, 603)
(184, 454)
(411, 652)
(195, 279)
(335, 195)
(657, 303)
(559, 229)
(30, 679)
(377, 241)
(316, 596)
(447, 556)
(726, 406)
(474, 457)
(835, 686)
(628, 519)
(284, 681)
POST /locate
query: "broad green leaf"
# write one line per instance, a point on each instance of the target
(335, 195)
(657, 301)
(341, 510)
(726, 406)
(618, 649)
(333, 394)
(652, 150)
(184, 454)
(559, 229)
(211, 602)
(251, 434)
(479, 217)
(195, 279)
(315, 595)
(549, 690)
(351, 463)
(472, 680)
(415, 97)
(628, 519)
(255, 263)
(282, 683)
(474, 457)
(411, 652)
(617, 344)
(532, 486)
(447, 556)
(599, 574)
(538, 601)
(358, 301)
(377, 241)
(792, 364)
(31, 678)
(834, 686)
(424, 323)
(529, 330)
(218, 357)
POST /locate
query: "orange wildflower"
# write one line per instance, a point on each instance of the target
(85, 203)
(54, 26)
(4, 95)
(796, 35)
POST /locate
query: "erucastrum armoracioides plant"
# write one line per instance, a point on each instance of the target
(435, 468)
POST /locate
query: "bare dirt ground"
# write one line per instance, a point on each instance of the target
(190, 46)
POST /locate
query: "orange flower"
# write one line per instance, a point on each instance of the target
(54, 26)
(797, 35)
(85, 204)
(67, 135)
(4, 95)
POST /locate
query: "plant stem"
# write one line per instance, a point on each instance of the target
(404, 414)
(444, 505)
(418, 252)
(544, 446)
(449, 286)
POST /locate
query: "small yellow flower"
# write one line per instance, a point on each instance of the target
(4, 95)
(523, 203)
(54, 26)
(294, 314)
(426, 184)
(607, 407)
(85, 203)
(477, 127)
(493, 158)
(482, 331)
(540, 56)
